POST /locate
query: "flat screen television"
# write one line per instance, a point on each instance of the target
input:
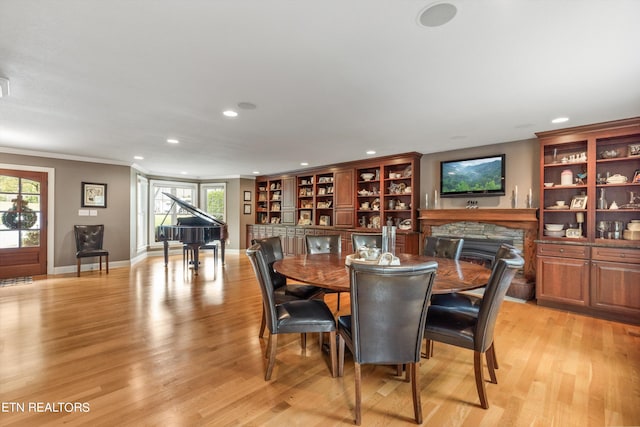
(476, 177)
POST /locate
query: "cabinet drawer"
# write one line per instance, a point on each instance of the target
(565, 251)
(631, 256)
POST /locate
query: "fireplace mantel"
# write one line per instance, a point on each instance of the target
(524, 219)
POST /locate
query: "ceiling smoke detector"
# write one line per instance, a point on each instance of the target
(4, 87)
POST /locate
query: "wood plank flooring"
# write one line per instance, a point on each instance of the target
(156, 347)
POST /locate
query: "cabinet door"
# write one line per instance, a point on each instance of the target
(344, 198)
(616, 287)
(288, 193)
(563, 280)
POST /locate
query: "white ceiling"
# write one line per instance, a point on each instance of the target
(108, 80)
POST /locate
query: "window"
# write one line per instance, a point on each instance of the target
(214, 200)
(163, 211)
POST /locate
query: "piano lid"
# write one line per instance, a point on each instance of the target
(195, 211)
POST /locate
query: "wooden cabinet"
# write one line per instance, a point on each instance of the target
(363, 194)
(562, 274)
(590, 264)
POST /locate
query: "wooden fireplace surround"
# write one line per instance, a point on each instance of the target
(524, 219)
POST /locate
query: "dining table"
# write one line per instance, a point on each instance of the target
(330, 271)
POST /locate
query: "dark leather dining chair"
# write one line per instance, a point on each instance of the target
(89, 240)
(471, 303)
(443, 247)
(299, 316)
(475, 331)
(327, 244)
(386, 325)
(283, 291)
(368, 240)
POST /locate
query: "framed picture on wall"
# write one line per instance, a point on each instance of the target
(247, 209)
(247, 196)
(94, 195)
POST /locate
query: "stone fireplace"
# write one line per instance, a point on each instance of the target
(485, 230)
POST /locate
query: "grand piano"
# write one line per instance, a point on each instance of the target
(193, 231)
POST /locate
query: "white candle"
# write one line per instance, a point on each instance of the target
(580, 217)
(515, 197)
(530, 200)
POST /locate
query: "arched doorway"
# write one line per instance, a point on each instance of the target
(23, 223)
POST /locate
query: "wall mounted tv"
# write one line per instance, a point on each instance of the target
(476, 177)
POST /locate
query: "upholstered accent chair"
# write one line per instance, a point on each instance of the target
(298, 316)
(475, 331)
(89, 240)
(388, 311)
(283, 291)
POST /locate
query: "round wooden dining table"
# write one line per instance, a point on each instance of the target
(329, 271)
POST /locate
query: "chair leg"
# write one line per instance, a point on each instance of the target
(492, 353)
(482, 391)
(332, 351)
(78, 267)
(358, 376)
(428, 350)
(340, 356)
(106, 263)
(338, 305)
(491, 365)
(303, 341)
(263, 323)
(272, 346)
(100, 262)
(415, 389)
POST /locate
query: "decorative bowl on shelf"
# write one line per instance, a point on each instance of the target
(551, 233)
(554, 227)
(367, 176)
(548, 184)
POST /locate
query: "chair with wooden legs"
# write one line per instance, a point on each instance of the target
(463, 328)
(386, 325)
(300, 316)
(89, 240)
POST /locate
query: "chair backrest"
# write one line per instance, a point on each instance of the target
(388, 311)
(369, 240)
(261, 268)
(329, 244)
(502, 274)
(443, 247)
(272, 252)
(88, 237)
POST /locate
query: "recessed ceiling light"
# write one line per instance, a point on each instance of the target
(183, 173)
(173, 141)
(436, 15)
(370, 152)
(138, 157)
(304, 164)
(256, 172)
(230, 113)
(247, 105)
(560, 120)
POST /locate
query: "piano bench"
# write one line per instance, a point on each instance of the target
(187, 252)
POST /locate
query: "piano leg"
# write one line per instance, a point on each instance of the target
(196, 261)
(223, 243)
(166, 253)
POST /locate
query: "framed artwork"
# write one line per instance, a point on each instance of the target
(247, 196)
(636, 177)
(247, 209)
(325, 220)
(634, 150)
(579, 202)
(94, 195)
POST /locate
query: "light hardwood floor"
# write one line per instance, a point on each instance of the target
(149, 346)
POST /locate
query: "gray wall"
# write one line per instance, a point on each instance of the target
(522, 169)
(69, 175)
